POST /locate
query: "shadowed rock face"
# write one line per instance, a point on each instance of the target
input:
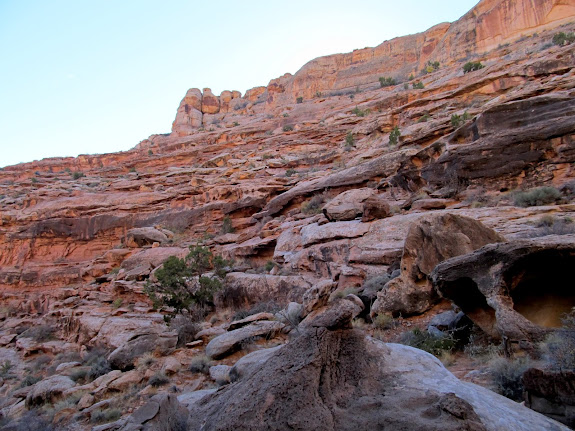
(512, 289)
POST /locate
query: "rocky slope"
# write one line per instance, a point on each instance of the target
(301, 183)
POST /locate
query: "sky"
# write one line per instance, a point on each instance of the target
(99, 76)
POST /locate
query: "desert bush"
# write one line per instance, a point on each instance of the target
(562, 38)
(186, 328)
(117, 303)
(288, 128)
(506, 375)
(40, 333)
(5, 368)
(185, 283)
(349, 140)
(32, 420)
(299, 100)
(418, 85)
(424, 118)
(105, 416)
(537, 196)
(78, 175)
(290, 172)
(384, 321)
(200, 364)
(79, 375)
(551, 225)
(99, 367)
(227, 225)
(360, 112)
(29, 380)
(261, 307)
(394, 135)
(270, 264)
(471, 66)
(386, 81)
(313, 206)
(459, 120)
(559, 346)
(375, 283)
(430, 67)
(425, 341)
(343, 293)
(158, 379)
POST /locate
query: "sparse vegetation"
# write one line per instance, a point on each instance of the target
(418, 85)
(551, 225)
(425, 341)
(77, 175)
(384, 321)
(5, 368)
(313, 206)
(40, 334)
(117, 303)
(288, 128)
(270, 264)
(200, 364)
(290, 172)
(472, 66)
(430, 67)
(360, 112)
(99, 367)
(150, 152)
(227, 226)
(536, 197)
(394, 136)
(559, 346)
(424, 118)
(105, 416)
(158, 379)
(185, 283)
(299, 100)
(506, 374)
(562, 38)
(458, 120)
(349, 141)
(386, 81)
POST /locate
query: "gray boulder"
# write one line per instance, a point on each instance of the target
(228, 342)
(124, 356)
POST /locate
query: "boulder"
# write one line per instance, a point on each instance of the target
(429, 204)
(375, 207)
(250, 362)
(336, 379)
(189, 115)
(347, 205)
(317, 296)
(142, 236)
(243, 290)
(123, 382)
(210, 102)
(162, 412)
(220, 373)
(429, 241)
(226, 343)
(48, 390)
(124, 356)
(514, 290)
(250, 319)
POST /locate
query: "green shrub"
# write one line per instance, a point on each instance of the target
(299, 100)
(290, 172)
(537, 196)
(424, 118)
(386, 81)
(158, 379)
(5, 368)
(506, 375)
(360, 112)
(559, 346)
(105, 416)
(394, 135)
(459, 120)
(375, 283)
(318, 94)
(29, 380)
(79, 376)
(471, 66)
(227, 225)
(99, 367)
(313, 206)
(406, 86)
(288, 128)
(269, 265)
(349, 140)
(430, 67)
(418, 85)
(40, 333)
(384, 321)
(563, 38)
(150, 152)
(78, 175)
(425, 341)
(117, 303)
(200, 364)
(261, 307)
(184, 283)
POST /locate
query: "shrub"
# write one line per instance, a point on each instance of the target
(313, 206)
(158, 379)
(99, 367)
(375, 283)
(386, 81)
(78, 175)
(235, 124)
(360, 112)
(186, 329)
(459, 120)
(318, 94)
(29, 380)
(406, 86)
(507, 375)
(5, 368)
(299, 100)
(261, 307)
(184, 283)
(288, 128)
(559, 346)
(290, 172)
(200, 364)
(117, 303)
(39, 334)
(425, 341)
(150, 152)
(394, 135)
(430, 67)
(349, 140)
(471, 66)
(537, 196)
(550, 225)
(384, 321)
(418, 85)
(563, 38)
(79, 375)
(105, 416)
(424, 118)
(227, 225)
(270, 264)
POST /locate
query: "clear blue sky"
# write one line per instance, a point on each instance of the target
(97, 76)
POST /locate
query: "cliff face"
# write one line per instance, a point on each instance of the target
(66, 220)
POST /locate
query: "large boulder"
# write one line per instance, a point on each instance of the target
(347, 205)
(48, 390)
(210, 102)
(336, 379)
(124, 356)
(512, 290)
(230, 341)
(429, 241)
(142, 236)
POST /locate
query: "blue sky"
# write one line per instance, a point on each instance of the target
(98, 76)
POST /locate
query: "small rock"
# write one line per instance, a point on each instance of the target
(220, 373)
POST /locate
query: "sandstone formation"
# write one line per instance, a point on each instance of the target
(429, 241)
(511, 290)
(326, 219)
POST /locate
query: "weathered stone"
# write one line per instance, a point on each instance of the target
(347, 205)
(513, 290)
(317, 296)
(375, 207)
(140, 237)
(210, 103)
(48, 390)
(230, 341)
(220, 373)
(252, 318)
(252, 361)
(124, 356)
(429, 241)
